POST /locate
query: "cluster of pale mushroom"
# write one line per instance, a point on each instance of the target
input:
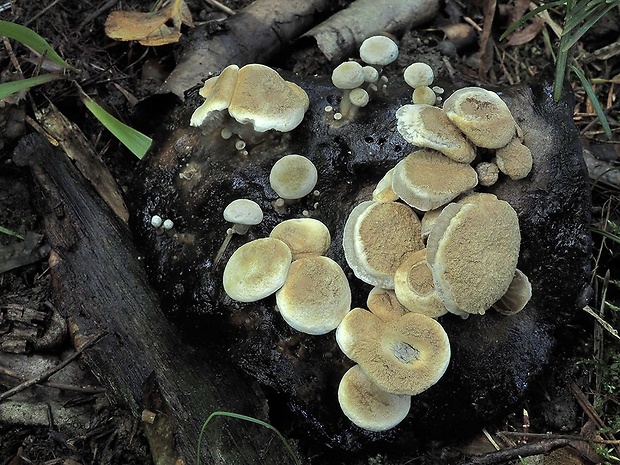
(430, 245)
(248, 102)
(359, 83)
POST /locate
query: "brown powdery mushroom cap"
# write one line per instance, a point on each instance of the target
(403, 356)
(266, 101)
(482, 116)
(384, 304)
(514, 160)
(472, 251)
(426, 179)
(488, 173)
(315, 296)
(415, 288)
(367, 406)
(218, 92)
(304, 236)
(257, 269)
(293, 177)
(378, 50)
(516, 297)
(377, 236)
(429, 126)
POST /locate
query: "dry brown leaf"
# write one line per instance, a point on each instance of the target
(150, 29)
(526, 34)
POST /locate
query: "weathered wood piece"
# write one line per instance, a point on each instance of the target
(100, 285)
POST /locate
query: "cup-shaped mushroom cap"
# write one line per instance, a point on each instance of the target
(348, 75)
(257, 269)
(514, 160)
(315, 296)
(415, 288)
(293, 177)
(378, 50)
(384, 192)
(419, 75)
(367, 406)
(516, 297)
(488, 173)
(429, 126)
(384, 304)
(482, 116)
(473, 250)
(403, 356)
(359, 97)
(265, 100)
(244, 212)
(218, 92)
(376, 238)
(304, 236)
(426, 179)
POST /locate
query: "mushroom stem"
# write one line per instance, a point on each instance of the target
(222, 249)
(346, 107)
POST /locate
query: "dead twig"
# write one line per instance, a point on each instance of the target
(46, 374)
(526, 450)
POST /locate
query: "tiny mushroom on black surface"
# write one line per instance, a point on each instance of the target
(293, 177)
(516, 297)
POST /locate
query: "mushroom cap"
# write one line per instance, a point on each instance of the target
(359, 97)
(367, 406)
(376, 238)
(429, 126)
(419, 75)
(315, 296)
(426, 179)
(472, 251)
(304, 236)
(516, 297)
(482, 116)
(428, 220)
(384, 304)
(293, 176)
(257, 269)
(514, 159)
(405, 355)
(348, 75)
(243, 211)
(424, 95)
(384, 192)
(218, 92)
(488, 173)
(378, 50)
(265, 100)
(415, 288)
(371, 75)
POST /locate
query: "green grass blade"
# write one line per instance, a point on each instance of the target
(600, 113)
(244, 418)
(585, 27)
(560, 74)
(606, 234)
(12, 87)
(134, 140)
(517, 24)
(10, 232)
(33, 40)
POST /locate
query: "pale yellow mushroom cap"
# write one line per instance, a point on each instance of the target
(359, 97)
(415, 288)
(488, 173)
(257, 269)
(348, 75)
(403, 356)
(424, 95)
(482, 116)
(516, 297)
(315, 296)
(218, 92)
(377, 236)
(293, 177)
(426, 179)
(514, 160)
(418, 75)
(265, 100)
(378, 50)
(429, 126)
(428, 220)
(243, 212)
(367, 406)
(473, 250)
(384, 304)
(304, 236)
(384, 192)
